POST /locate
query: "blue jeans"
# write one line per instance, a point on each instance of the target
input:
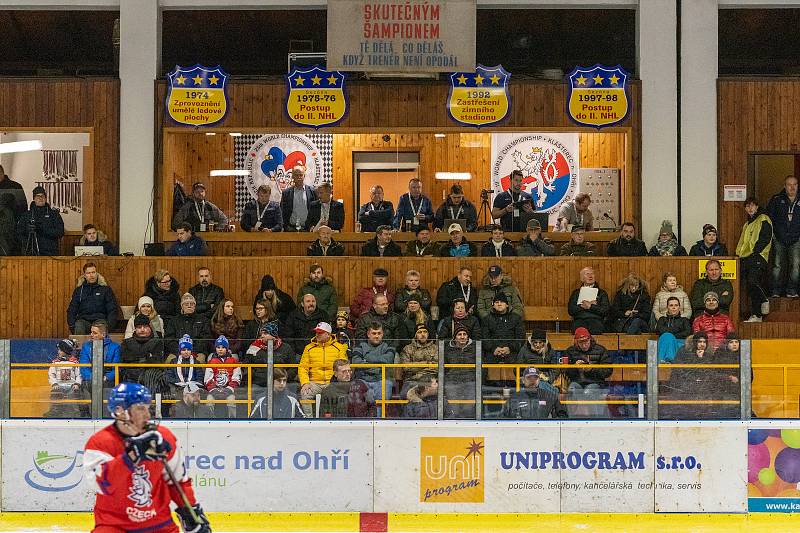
(375, 388)
(786, 254)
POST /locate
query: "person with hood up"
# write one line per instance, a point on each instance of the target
(375, 351)
(496, 282)
(142, 348)
(422, 350)
(423, 401)
(8, 239)
(316, 363)
(713, 321)
(459, 383)
(92, 299)
(536, 399)
(362, 302)
(667, 244)
(587, 383)
(164, 290)
(282, 354)
(40, 228)
(222, 381)
(281, 302)
(321, 287)
(753, 249)
(709, 245)
(498, 245)
(285, 405)
(589, 314)
(302, 321)
(198, 327)
(94, 237)
(674, 322)
(460, 317)
(670, 288)
(458, 245)
(630, 309)
(146, 307)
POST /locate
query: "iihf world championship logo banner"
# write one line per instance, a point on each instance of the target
(549, 163)
(269, 159)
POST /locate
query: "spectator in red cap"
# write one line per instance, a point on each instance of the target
(587, 383)
(200, 214)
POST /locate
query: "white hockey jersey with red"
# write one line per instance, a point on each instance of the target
(134, 498)
(222, 376)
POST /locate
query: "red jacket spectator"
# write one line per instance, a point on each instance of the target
(363, 300)
(717, 325)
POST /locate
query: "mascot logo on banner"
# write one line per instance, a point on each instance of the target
(316, 97)
(598, 96)
(271, 158)
(549, 167)
(197, 96)
(451, 469)
(479, 98)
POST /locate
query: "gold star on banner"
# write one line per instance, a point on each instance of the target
(478, 80)
(462, 80)
(598, 80)
(316, 79)
(299, 80)
(614, 79)
(213, 80)
(181, 80)
(581, 80)
(332, 80)
(197, 79)
(495, 79)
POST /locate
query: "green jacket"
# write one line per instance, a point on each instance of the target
(487, 293)
(723, 288)
(325, 294)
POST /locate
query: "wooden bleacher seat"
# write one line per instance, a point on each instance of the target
(547, 314)
(244, 312)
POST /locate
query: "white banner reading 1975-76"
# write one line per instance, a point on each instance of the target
(550, 164)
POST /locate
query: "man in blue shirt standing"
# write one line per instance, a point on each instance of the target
(414, 210)
(508, 205)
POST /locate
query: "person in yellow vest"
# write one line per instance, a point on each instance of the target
(753, 251)
(316, 364)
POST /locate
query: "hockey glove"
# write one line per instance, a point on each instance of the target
(148, 446)
(188, 522)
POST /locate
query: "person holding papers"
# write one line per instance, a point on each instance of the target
(588, 304)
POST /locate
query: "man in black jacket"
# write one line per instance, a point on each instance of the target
(627, 245)
(536, 399)
(503, 332)
(91, 300)
(142, 348)
(39, 230)
(325, 245)
(296, 200)
(587, 383)
(381, 245)
(454, 208)
(262, 214)
(498, 246)
(207, 295)
(380, 314)
(590, 314)
(190, 323)
(325, 211)
(376, 212)
(301, 322)
(458, 287)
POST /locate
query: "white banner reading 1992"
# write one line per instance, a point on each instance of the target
(550, 164)
(401, 35)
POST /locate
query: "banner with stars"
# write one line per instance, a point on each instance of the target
(479, 98)
(197, 96)
(598, 96)
(315, 97)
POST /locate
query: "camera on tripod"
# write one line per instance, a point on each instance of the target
(485, 193)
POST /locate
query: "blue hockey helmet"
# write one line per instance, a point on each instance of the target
(127, 394)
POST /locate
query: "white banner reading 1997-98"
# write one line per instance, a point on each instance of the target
(550, 163)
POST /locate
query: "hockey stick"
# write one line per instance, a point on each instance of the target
(173, 478)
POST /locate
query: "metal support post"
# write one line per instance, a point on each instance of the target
(745, 369)
(440, 393)
(478, 381)
(97, 379)
(652, 380)
(270, 370)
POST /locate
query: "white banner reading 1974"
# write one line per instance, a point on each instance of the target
(549, 162)
(401, 35)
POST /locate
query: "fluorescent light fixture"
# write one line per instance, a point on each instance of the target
(210, 133)
(20, 146)
(231, 172)
(439, 135)
(235, 134)
(464, 176)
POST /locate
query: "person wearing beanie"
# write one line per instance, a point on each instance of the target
(587, 383)
(538, 351)
(627, 245)
(578, 245)
(709, 245)
(40, 228)
(282, 353)
(92, 299)
(145, 307)
(711, 282)
(533, 244)
(667, 244)
(362, 302)
(422, 350)
(179, 377)
(323, 290)
(143, 347)
(590, 314)
(342, 330)
(712, 321)
(459, 383)
(753, 250)
(65, 381)
(282, 302)
(495, 282)
(195, 325)
(503, 332)
(221, 382)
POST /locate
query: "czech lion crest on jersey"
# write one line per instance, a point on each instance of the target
(141, 488)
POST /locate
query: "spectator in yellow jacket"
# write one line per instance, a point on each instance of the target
(316, 363)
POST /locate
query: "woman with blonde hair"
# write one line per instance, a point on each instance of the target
(146, 307)
(630, 308)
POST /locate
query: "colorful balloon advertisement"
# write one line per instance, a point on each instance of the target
(773, 470)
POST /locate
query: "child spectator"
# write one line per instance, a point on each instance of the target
(65, 381)
(221, 382)
(179, 377)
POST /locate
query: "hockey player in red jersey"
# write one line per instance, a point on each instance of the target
(128, 462)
